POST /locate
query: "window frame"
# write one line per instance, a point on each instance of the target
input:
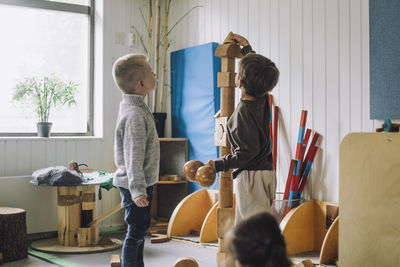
(73, 8)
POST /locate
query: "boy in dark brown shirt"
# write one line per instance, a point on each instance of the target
(248, 132)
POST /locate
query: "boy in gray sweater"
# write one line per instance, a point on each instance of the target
(136, 152)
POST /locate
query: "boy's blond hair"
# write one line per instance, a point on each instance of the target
(128, 70)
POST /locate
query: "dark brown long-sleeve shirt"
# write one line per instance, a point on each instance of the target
(248, 133)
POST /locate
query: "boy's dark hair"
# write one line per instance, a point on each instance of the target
(258, 242)
(258, 74)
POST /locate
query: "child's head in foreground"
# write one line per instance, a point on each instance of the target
(133, 74)
(257, 74)
(257, 242)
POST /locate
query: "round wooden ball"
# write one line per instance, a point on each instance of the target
(186, 262)
(190, 168)
(205, 176)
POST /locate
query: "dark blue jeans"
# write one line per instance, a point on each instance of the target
(138, 221)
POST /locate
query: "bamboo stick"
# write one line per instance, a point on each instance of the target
(150, 32)
(156, 52)
(164, 54)
(149, 38)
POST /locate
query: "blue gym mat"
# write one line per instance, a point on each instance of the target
(195, 98)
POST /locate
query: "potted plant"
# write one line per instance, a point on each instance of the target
(40, 94)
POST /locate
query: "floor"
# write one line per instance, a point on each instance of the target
(155, 255)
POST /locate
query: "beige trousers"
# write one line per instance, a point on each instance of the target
(255, 192)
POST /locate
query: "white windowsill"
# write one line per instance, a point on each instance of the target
(51, 138)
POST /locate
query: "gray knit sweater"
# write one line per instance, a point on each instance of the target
(136, 147)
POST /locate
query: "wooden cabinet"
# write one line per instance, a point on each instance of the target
(172, 187)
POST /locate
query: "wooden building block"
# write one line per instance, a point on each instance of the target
(92, 235)
(69, 215)
(115, 261)
(226, 79)
(226, 189)
(227, 101)
(89, 206)
(82, 237)
(304, 263)
(223, 244)
(231, 50)
(159, 238)
(225, 259)
(224, 221)
(228, 64)
(221, 132)
(89, 198)
(89, 237)
(186, 262)
(95, 235)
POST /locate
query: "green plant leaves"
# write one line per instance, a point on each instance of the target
(40, 94)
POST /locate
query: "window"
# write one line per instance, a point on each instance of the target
(43, 38)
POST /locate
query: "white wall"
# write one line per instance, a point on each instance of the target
(19, 157)
(320, 46)
(322, 50)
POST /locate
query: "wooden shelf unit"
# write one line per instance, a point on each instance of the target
(167, 194)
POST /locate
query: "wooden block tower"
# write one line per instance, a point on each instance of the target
(228, 51)
(76, 210)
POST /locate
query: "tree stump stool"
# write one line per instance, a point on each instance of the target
(13, 241)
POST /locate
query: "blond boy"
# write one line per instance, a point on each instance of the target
(136, 152)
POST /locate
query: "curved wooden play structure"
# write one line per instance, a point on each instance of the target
(190, 213)
(306, 229)
(208, 231)
(196, 214)
(329, 250)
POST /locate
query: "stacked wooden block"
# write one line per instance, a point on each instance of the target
(76, 210)
(228, 51)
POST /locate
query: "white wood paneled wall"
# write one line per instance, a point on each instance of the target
(19, 157)
(322, 50)
(320, 46)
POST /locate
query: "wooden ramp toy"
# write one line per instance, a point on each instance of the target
(208, 233)
(197, 215)
(190, 213)
(312, 227)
